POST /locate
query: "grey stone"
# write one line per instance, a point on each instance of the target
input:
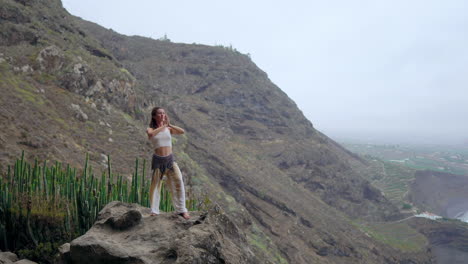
(126, 233)
(65, 248)
(26, 68)
(79, 69)
(7, 257)
(25, 261)
(64, 251)
(79, 114)
(104, 106)
(50, 59)
(96, 88)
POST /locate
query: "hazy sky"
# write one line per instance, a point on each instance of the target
(374, 70)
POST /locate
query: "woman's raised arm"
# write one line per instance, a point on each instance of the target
(151, 132)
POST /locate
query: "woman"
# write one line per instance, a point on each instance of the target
(159, 133)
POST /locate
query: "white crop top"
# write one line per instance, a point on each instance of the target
(162, 139)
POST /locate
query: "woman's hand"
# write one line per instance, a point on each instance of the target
(167, 122)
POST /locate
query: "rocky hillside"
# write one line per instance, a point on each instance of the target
(221, 97)
(70, 87)
(448, 239)
(62, 93)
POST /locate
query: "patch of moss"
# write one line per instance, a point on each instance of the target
(24, 89)
(72, 53)
(127, 117)
(89, 127)
(29, 96)
(201, 177)
(4, 66)
(126, 72)
(44, 78)
(232, 206)
(59, 120)
(259, 240)
(397, 235)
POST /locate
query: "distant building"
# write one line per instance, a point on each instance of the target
(429, 215)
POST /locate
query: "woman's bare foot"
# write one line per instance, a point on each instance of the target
(185, 215)
(153, 214)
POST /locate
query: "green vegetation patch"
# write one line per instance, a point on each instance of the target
(397, 235)
(44, 78)
(29, 96)
(4, 66)
(127, 117)
(126, 72)
(259, 240)
(24, 90)
(201, 177)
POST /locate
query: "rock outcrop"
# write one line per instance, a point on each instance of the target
(441, 193)
(447, 238)
(126, 233)
(12, 258)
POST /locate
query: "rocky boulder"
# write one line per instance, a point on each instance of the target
(11, 258)
(126, 233)
(50, 59)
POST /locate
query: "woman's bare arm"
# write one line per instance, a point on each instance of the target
(151, 132)
(176, 130)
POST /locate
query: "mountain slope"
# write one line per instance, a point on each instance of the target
(70, 86)
(224, 90)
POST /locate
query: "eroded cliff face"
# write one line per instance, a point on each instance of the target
(70, 87)
(448, 239)
(444, 194)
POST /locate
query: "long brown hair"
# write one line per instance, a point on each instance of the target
(153, 123)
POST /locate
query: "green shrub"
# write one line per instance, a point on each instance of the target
(43, 253)
(406, 206)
